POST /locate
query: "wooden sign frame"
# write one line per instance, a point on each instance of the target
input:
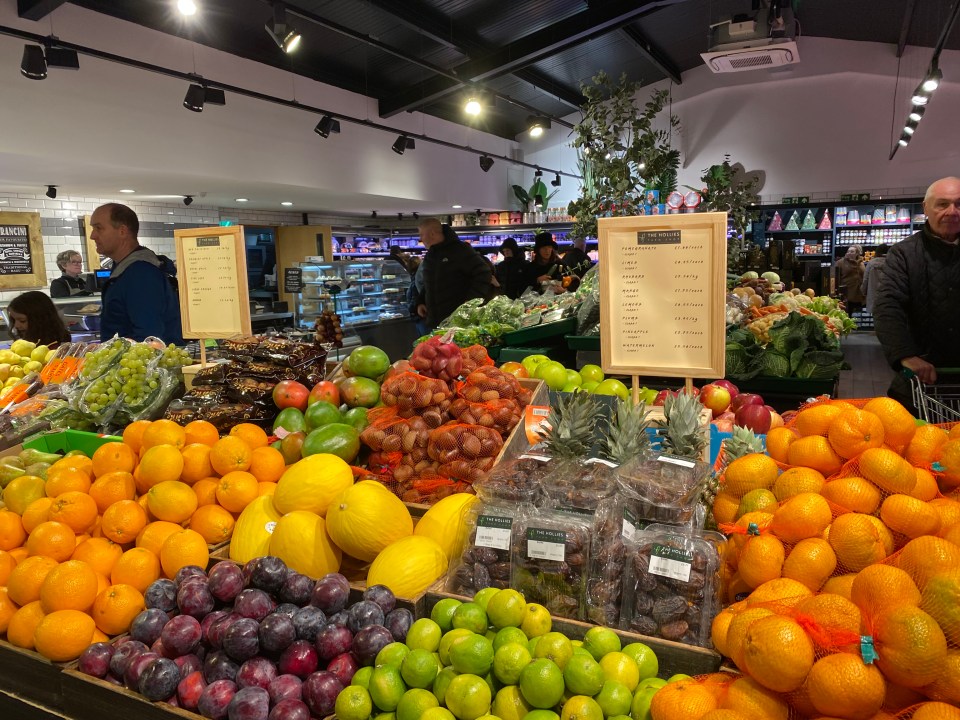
(646, 247)
(38, 277)
(93, 257)
(194, 270)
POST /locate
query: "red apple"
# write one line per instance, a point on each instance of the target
(731, 388)
(324, 390)
(290, 393)
(716, 397)
(775, 420)
(745, 399)
(724, 423)
(754, 417)
(515, 369)
(661, 397)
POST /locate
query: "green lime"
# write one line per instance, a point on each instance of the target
(483, 596)
(506, 609)
(508, 635)
(677, 678)
(419, 669)
(640, 707)
(622, 668)
(583, 675)
(541, 683)
(354, 703)
(473, 655)
(618, 717)
(413, 704)
(509, 660)
(580, 650)
(425, 634)
(442, 613)
(581, 707)
(440, 685)
(392, 654)
(362, 677)
(614, 698)
(536, 621)
(468, 697)
(532, 644)
(385, 716)
(437, 713)
(386, 687)
(447, 641)
(645, 658)
(542, 715)
(509, 704)
(554, 646)
(471, 616)
(600, 641)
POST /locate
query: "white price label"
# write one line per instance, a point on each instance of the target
(676, 461)
(493, 532)
(544, 544)
(670, 562)
(592, 461)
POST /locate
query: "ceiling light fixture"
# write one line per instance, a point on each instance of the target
(188, 200)
(556, 181)
(538, 201)
(904, 140)
(187, 7)
(34, 64)
(473, 106)
(486, 162)
(910, 128)
(286, 203)
(416, 216)
(326, 126)
(538, 173)
(285, 36)
(403, 143)
(536, 125)
(51, 191)
(194, 98)
(456, 207)
(127, 191)
(932, 81)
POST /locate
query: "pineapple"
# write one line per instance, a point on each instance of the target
(626, 436)
(683, 436)
(571, 422)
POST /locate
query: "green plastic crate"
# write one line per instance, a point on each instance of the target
(63, 441)
(517, 354)
(583, 342)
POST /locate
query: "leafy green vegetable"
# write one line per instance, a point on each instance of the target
(821, 365)
(775, 364)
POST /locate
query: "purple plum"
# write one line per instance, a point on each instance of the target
(276, 633)
(95, 660)
(341, 618)
(284, 687)
(331, 593)
(190, 689)
(290, 709)
(320, 692)
(364, 614)
(148, 624)
(218, 666)
(256, 672)
(297, 589)
(218, 629)
(382, 596)
(215, 699)
(299, 659)
(131, 676)
(225, 581)
(308, 621)
(161, 594)
(195, 599)
(181, 635)
(249, 703)
(159, 679)
(188, 664)
(398, 622)
(124, 653)
(240, 641)
(267, 573)
(369, 641)
(334, 640)
(253, 603)
(344, 666)
(188, 571)
(209, 620)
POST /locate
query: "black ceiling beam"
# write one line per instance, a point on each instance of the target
(527, 50)
(654, 55)
(425, 20)
(37, 9)
(905, 27)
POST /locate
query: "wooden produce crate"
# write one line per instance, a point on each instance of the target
(29, 675)
(89, 698)
(673, 657)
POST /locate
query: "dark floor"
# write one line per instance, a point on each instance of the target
(870, 375)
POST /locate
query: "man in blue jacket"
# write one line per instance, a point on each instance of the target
(139, 299)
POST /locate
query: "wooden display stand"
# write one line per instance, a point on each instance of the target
(663, 296)
(212, 273)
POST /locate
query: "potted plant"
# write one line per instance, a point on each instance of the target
(727, 188)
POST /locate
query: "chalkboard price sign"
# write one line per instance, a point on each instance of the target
(21, 251)
(15, 250)
(292, 280)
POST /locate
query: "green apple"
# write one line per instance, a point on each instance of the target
(611, 386)
(554, 374)
(570, 387)
(573, 377)
(648, 395)
(591, 372)
(530, 362)
(589, 386)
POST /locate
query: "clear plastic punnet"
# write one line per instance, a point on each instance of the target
(487, 558)
(664, 488)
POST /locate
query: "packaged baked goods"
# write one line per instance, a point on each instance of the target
(663, 489)
(486, 559)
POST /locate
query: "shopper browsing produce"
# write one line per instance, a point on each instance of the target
(69, 283)
(546, 262)
(916, 306)
(139, 299)
(513, 272)
(576, 260)
(850, 276)
(34, 317)
(453, 272)
(871, 275)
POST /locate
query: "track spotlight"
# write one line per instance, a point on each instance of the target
(373, 214)
(403, 143)
(486, 162)
(910, 128)
(51, 191)
(538, 201)
(917, 113)
(536, 125)
(286, 37)
(416, 216)
(188, 200)
(556, 181)
(34, 64)
(538, 174)
(904, 140)
(932, 81)
(194, 98)
(63, 58)
(473, 106)
(326, 126)
(214, 96)
(187, 7)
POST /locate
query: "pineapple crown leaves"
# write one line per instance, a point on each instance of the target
(569, 427)
(626, 433)
(684, 437)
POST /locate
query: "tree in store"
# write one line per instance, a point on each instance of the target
(729, 188)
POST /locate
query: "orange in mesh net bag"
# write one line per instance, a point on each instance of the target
(931, 711)
(473, 357)
(859, 540)
(842, 685)
(811, 562)
(887, 470)
(501, 415)
(409, 391)
(924, 448)
(854, 431)
(950, 460)
(682, 699)
(909, 516)
(899, 425)
(947, 686)
(802, 516)
(910, 646)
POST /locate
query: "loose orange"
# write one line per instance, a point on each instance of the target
(859, 540)
(911, 647)
(682, 699)
(76, 510)
(172, 500)
(267, 464)
(21, 491)
(122, 521)
(78, 462)
(201, 431)
(750, 472)
(7, 563)
(37, 512)
(926, 488)
(832, 613)
(796, 480)
(880, 587)
(113, 457)
(27, 578)
(803, 516)
(924, 447)
(8, 608)
(163, 432)
(810, 562)
(843, 686)
(924, 557)
(159, 464)
(183, 548)
(753, 701)
(814, 451)
(196, 463)
(230, 453)
(761, 559)
(154, 534)
(53, 539)
(213, 522)
(206, 491)
(269, 488)
(62, 635)
(236, 490)
(116, 607)
(899, 425)
(12, 533)
(112, 487)
(66, 480)
(133, 434)
(946, 687)
(137, 567)
(778, 653)
(253, 435)
(24, 623)
(72, 585)
(909, 516)
(853, 493)
(854, 431)
(99, 553)
(816, 419)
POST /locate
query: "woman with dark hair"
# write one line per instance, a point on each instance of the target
(546, 263)
(34, 317)
(513, 272)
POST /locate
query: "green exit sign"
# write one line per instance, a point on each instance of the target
(797, 200)
(855, 197)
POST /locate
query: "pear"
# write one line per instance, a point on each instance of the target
(9, 357)
(11, 381)
(39, 353)
(32, 366)
(9, 472)
(29, 456)
(51, 354)
(16, 372)
(4, 372)
(38, 469)
(23, 348)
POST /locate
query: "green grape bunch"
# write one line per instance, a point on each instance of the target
(99, 359)
(174, 357)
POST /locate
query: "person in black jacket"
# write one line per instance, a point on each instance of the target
(576, 259)
(69, 283)
(915, 310)
(546, 263)
(453, 272)
(513, 272)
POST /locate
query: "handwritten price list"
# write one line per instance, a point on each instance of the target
(212, 286)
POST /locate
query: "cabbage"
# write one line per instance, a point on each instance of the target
(775, 364)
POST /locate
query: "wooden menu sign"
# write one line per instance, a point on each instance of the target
(21, 251)
(663, 295)
(212, 274)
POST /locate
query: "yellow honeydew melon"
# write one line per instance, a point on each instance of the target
(446, 522)
(408, 566)
(312, 483)
(300, 539)
(365, 518)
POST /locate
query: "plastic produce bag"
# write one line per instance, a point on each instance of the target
(486, 560)
(663, 489)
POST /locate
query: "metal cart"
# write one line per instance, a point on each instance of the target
(939, 402)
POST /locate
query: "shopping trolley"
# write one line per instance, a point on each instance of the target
(940, 401)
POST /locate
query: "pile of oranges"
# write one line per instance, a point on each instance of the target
(79, 549)
(848, 527)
